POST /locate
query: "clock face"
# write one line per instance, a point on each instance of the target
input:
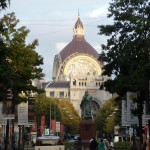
(82, 67)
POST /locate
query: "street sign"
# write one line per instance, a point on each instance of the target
(130, 131)
(23, 113)
(57, 126)
(46, 132)
(8, 116)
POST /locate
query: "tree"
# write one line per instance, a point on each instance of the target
(70, 117)
(19, 61)
(105, 123)
(4, 4)
(55, 107)
(48, 107)
(127, 51)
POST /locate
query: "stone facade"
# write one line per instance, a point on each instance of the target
(76, 69)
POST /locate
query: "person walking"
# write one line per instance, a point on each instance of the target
(111, 145)
(101, 145)
(94, 144)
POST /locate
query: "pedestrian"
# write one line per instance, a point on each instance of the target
(78, 144)
(91, 140)
(101, 145)
(111, 145)
(94, 144)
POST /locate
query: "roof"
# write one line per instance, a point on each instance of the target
(78, 24)
(59, 84)
(78, 45)
(44, 84)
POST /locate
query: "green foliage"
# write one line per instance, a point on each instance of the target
(54, 107)
(70, 116)
(69, 145)
(122, 145)
(42, 104)
(127, 49)
(47, 106)
(106, 119)
(127, 52)
(4, 4)
(19, 61)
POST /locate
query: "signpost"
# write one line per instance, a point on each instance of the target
(3, 121)
(57, 126)
(127, 105)
(23, 113)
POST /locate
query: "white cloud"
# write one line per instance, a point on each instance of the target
(60, 46)
(100, 12)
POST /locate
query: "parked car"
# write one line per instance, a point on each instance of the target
(72, 140)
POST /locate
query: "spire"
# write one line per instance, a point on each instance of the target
(78, 27)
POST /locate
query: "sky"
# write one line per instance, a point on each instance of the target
(52, 22)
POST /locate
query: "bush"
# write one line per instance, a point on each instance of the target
(122, 145)
(69, 145)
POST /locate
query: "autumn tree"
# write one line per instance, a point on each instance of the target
(127, 51)
(49, 107)
(59, 110)
(106, 118)
(70, 116)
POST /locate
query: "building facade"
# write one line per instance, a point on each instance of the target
(76, 69)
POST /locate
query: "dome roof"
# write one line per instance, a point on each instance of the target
(78, 45)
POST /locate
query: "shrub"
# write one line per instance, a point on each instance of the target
(69, 145)
(122, 145)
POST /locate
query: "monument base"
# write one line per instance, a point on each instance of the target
(87, 132)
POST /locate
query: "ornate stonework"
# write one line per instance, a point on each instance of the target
(76, 69)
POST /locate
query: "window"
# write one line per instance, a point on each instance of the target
(61, 94)
(52, 94)
(79, 83)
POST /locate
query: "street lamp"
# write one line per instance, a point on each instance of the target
(50, 112)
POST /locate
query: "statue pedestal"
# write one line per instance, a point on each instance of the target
(87, 132)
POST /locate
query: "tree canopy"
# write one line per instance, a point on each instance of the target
(4, 4)
(20, 63)
(127, 51)
(70, 116)
(106, 118)
(60, 110)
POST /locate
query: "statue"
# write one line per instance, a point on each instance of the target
(86, 107)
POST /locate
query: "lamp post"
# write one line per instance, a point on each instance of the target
(50, 112)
